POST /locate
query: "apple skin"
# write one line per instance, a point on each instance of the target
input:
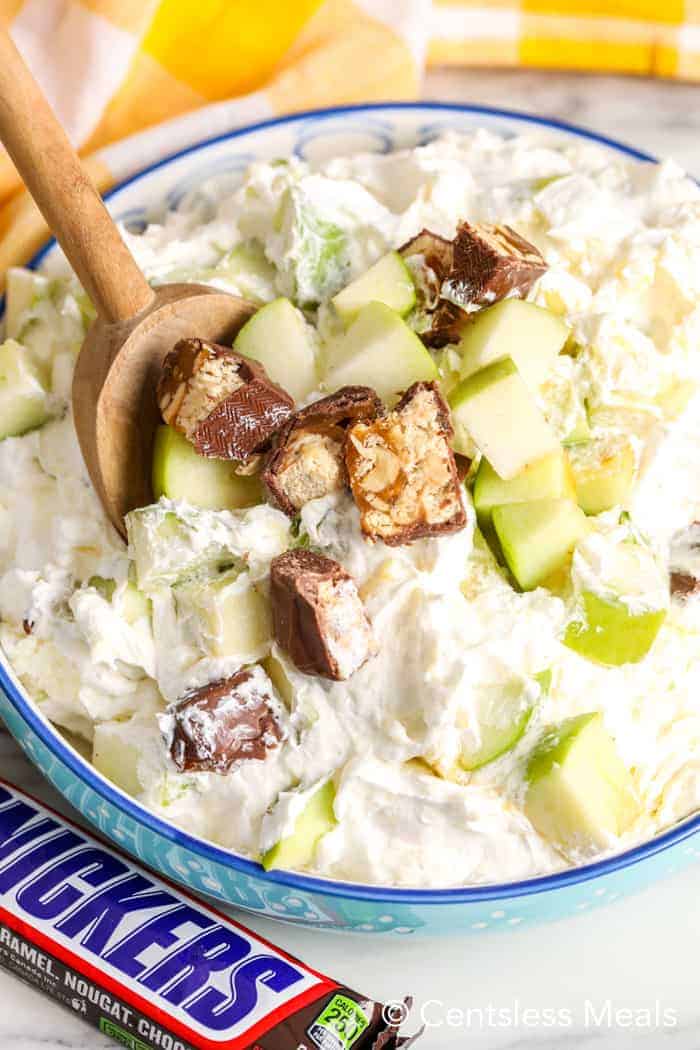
(378, 350)
(297, 850)
(498, 740)
(548, 478)
(532, 335)
(387, 281)
(278, 336)
(607, 481)
(579, 796)
(537, 538)
(611, 635)
(178, 472)
(499, 412)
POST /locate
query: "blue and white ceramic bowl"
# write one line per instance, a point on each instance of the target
(206, 868)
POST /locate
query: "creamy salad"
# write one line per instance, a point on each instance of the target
(509, 687)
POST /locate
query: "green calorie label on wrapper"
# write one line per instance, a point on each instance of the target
(339, 1026)
(121, 1036)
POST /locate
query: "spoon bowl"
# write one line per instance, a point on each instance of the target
(114, 400)
(114, 386)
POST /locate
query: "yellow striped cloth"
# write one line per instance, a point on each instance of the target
(112, 68)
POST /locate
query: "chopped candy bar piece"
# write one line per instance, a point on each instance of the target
(684, 562)
(318, 616)
(491, 262)
(216, 725)
(402, 470)
(481, 265)
(224, 403)
(308, 460)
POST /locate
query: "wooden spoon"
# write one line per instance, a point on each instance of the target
(114, 402)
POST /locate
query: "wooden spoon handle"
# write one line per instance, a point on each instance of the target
(65, 195)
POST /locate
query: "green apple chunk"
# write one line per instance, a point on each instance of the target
(248, 268)
(135, 605)
(24, 401)
(580, 431)
(529, 334)
(388, 281)
(378, 350)
(115, 754)
(169, 546)
(22, 289)
(674, 399)
(503, 714)
(180, 473)
(537, 538)
(604, 470)
(297, 850)
(280, 339)
(548, 478)
(229, 614)
(610, 633)
(495, 407)
(580, 796)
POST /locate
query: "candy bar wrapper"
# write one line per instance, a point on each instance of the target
(149, 965)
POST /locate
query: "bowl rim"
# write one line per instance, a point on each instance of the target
(85, 772)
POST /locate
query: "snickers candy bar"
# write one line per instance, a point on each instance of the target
(403, 473)
(212, 727)
(223, 402)
(483, 264)
(490, 263)
(148, 965)
(308, 458)
(684, 562)
(318, 616)
(429, 257)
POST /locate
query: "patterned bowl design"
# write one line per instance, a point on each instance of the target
(200, 865)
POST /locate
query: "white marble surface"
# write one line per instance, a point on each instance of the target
(602, 978)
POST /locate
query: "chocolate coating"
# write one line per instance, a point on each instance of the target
(223, 402)
(403, 473)
(224, 722)
(318, 616)
(483, 264)
(307, 461)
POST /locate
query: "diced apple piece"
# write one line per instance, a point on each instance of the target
(230, 615)
(135, 605)
(378, 350)
(168, 546)
(23, 398)
(529, 334)
(248, 268)
(537, 538)
(115, 754)
(495, 408)
(580, 432)
(548, 478)
(675, 398)
(179, 472)
(503, 713)
(610, 633)
(280, 339)
(22, 287)
(388, 281)
(104, 585)
(604, 471)
(297, 850)
(580, 796)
